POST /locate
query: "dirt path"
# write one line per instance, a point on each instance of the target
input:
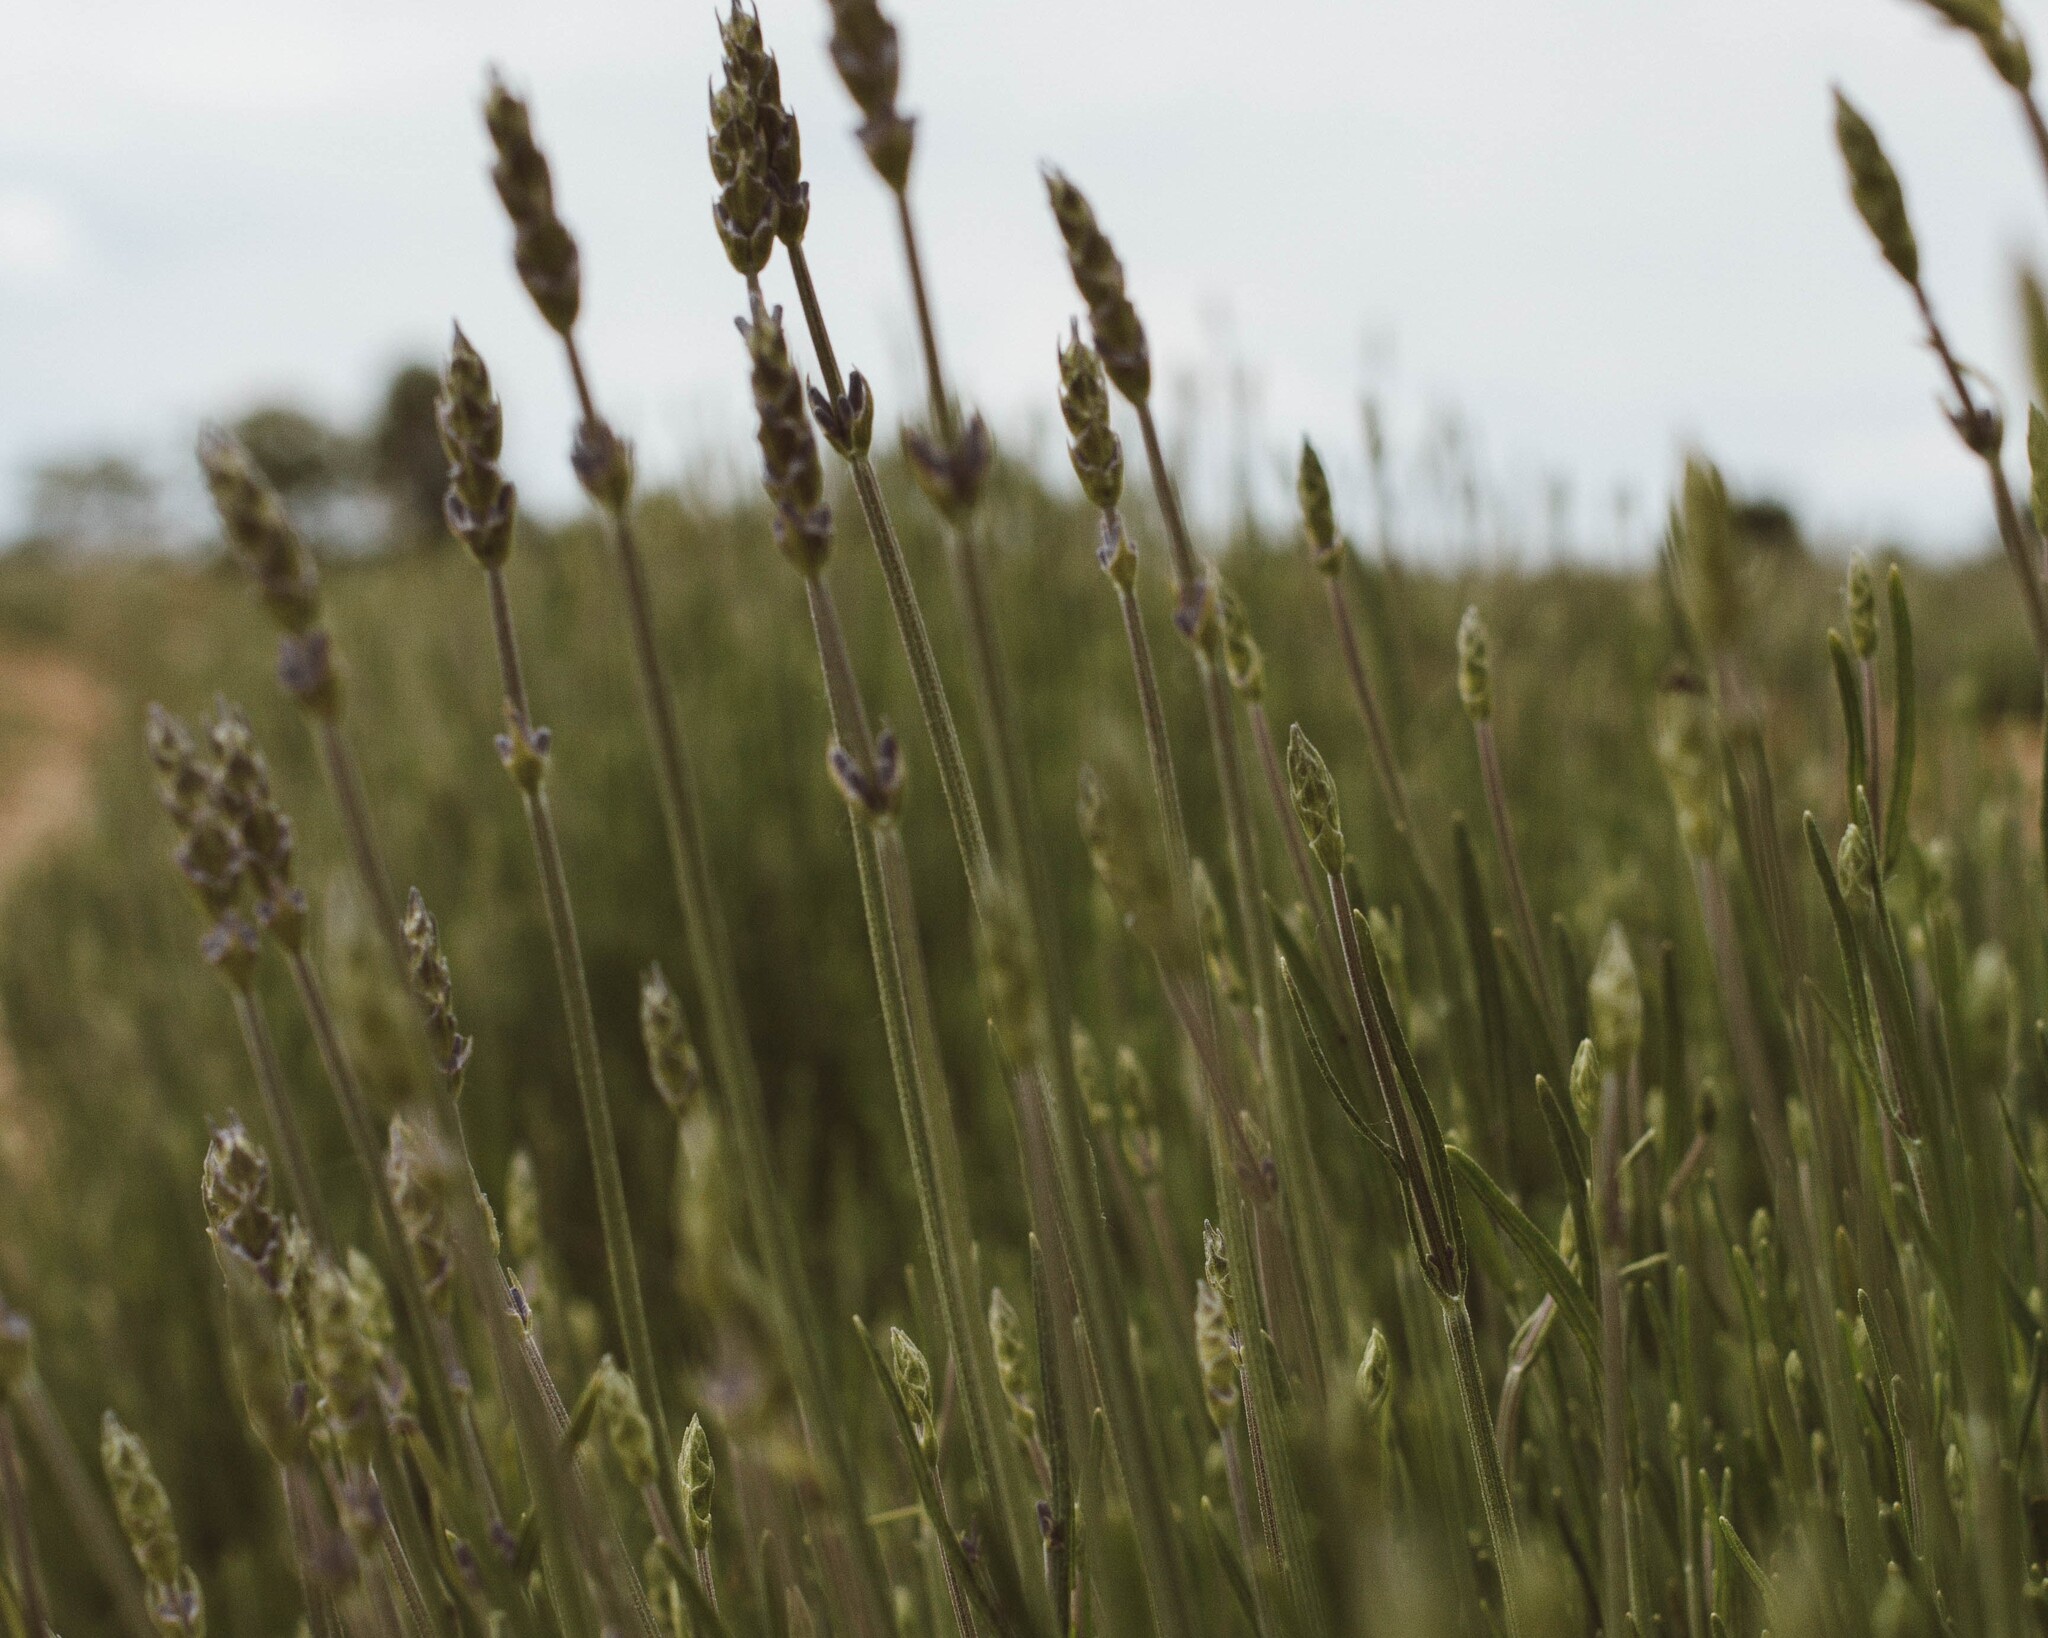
(52, 711)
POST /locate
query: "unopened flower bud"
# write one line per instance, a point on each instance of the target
(625, 1424)
(1375, 1376)
(1242, 659)
(1013, 1372)
(695, 1478)
(671, 1058)
(1216, 1353)
(913, 1374)
(1475, 668)
(1095, 450)
(1860, 595)
(543, 250)
(1684, 743)
(1587, 1074)
(1874, 185)
(1315, 801)
(1614, 1000)
(1318, 516)
(1099, 276)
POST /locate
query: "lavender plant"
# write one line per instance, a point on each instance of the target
(1735, 1238)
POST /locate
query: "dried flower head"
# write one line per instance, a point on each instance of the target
(434, 987)
(869, 60)
(848, 422)
(790, 472)
(951, 474)
(744, 210)
(753, 91)
(480, 505)
(259, 532)
(1874, 185)
(234, 1186)
(183, 784)
(1095, 450)
(1099, 276)
(263, 831)
(1318, 515)
(543, 250)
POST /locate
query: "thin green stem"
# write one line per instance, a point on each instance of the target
(1614, 1464)
(928, 1124)
(21, 1542)
(1493, 1485)
(1082, 1240)
(1518, 889)
(345, 780)
(734, 1068)
(360, 1125)
(933, 704)
(621, 1262)
(943, 421)
(84, 1504)
(1285, 1109)
(285, 1130)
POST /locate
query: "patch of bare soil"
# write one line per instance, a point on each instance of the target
(52, 711)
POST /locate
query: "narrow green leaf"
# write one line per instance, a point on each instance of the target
(1346, 1101)
(1535, 1246)
(1748, 1565)
(1905, 720)
(1849, 694)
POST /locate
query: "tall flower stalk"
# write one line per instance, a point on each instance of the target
(1475, 692)
(1125, 359)
(481, 509)
(868, 769)
(747, 118)
(1435, 1225)
(546, 257)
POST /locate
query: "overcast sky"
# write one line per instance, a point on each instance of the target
(1592, 232)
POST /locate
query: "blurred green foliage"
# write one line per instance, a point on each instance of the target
(126, 1047)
